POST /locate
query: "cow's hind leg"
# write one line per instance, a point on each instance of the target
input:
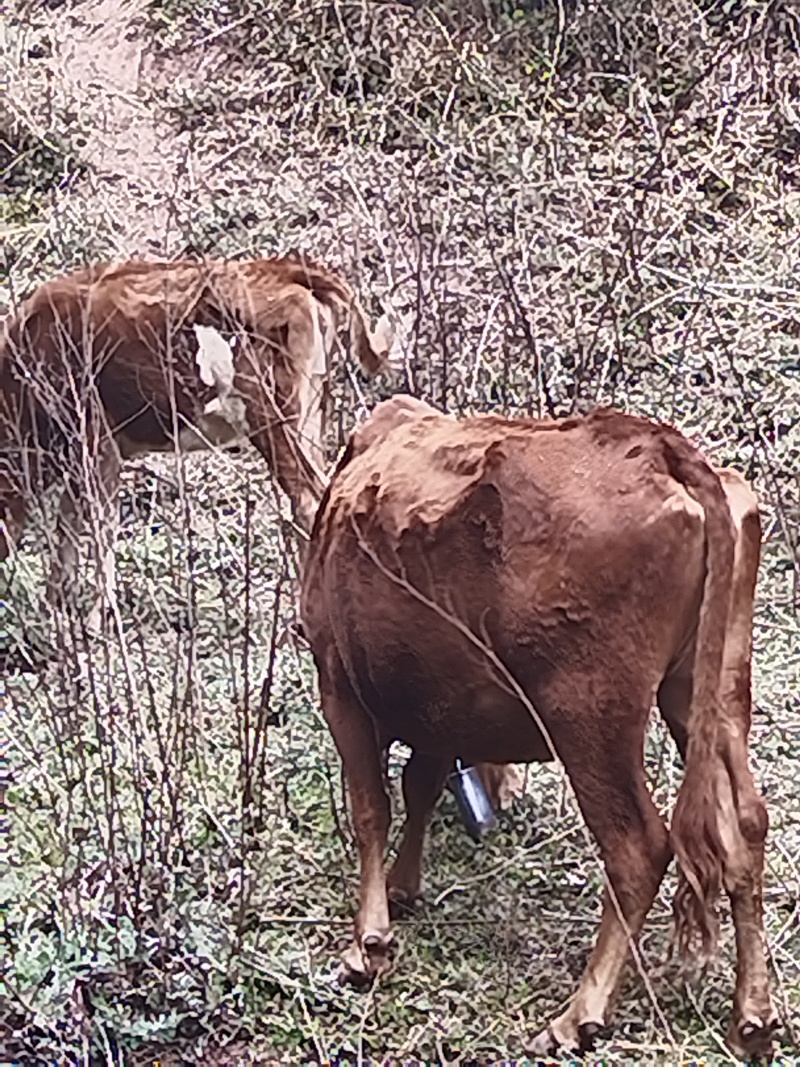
(354, 735)
(65, 572)
(608, 778)
(743, 813)
(745, 824)
(745, 827)
(423, 781)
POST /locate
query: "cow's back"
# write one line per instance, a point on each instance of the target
(128, 328)
(564, 547)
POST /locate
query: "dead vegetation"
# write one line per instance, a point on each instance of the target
(570, 203)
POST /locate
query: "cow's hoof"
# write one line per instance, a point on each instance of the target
(562, 1038)
(544, 1044)
(366, 960)
(402, 903)
(588, 1033)
(356, 977)
(750, 1038)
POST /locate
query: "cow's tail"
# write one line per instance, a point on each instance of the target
(374, 349)
(696, 830)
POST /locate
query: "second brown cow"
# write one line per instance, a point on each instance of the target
(117, 360)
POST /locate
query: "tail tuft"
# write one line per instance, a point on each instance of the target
(696, 822)
(700, 866)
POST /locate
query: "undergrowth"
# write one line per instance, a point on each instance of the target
(568, 204)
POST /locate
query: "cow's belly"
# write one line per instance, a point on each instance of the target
(449, 706)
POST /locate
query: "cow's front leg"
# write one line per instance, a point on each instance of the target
(88, 511)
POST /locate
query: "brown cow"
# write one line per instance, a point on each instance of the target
(503, 590)
(113, 361)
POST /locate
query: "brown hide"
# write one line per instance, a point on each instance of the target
(509, 590)
(106, 363)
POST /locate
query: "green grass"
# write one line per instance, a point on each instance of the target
(602, 208)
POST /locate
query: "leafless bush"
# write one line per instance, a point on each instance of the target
(572, 203)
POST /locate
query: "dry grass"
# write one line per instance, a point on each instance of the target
(573, 203)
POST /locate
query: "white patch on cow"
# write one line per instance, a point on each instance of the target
(740, 496)
(384, 338)
(324, 330)
(391, 335)
(224, 418)
(310, 426)
(214, 359)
